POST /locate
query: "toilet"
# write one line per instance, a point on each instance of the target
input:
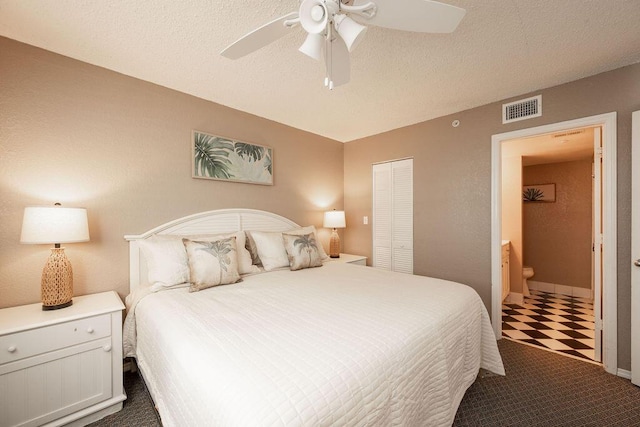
(527, 273)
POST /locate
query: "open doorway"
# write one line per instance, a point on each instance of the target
(607, 122)
(551, 211)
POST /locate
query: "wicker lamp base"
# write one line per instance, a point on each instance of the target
(334, 245)
(57, 281)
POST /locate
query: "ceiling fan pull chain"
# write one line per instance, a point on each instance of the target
(330, 68)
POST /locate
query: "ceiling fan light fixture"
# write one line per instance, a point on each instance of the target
(351, 32)
(314, 16)
(321, 19)
(312, 46)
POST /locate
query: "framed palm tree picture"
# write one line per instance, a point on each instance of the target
(220, 158)
(539, 193)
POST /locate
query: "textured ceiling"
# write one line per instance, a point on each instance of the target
(501, 49)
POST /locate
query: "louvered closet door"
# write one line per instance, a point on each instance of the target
(382, 216)
(402, 214)
(393, 216)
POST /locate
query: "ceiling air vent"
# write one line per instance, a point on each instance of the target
(521, 110)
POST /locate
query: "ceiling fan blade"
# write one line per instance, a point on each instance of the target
(337, 62)
(258, 38)
(421, 16)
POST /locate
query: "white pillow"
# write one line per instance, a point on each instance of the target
(167, 263)
(270, 249)
(250, 245)
(306, 230)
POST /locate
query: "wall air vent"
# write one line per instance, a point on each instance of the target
(522, 109)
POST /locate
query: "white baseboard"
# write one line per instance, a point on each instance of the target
(623, 373)
(560, 289)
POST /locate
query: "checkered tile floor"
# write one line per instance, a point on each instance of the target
(558, 322)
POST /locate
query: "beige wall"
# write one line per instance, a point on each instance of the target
(86, 136)
(512, 217)
(557, 236)
(452, 181)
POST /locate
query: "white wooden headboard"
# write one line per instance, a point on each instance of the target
(210, 222)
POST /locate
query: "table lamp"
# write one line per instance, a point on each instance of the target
(334, 219)
(55, 224)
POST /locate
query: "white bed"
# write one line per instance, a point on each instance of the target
(336, 345)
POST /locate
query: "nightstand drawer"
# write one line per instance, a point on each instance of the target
(37, 341)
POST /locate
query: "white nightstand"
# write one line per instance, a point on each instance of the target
(62, 366)
(351, 259)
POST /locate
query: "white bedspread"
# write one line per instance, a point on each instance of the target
(336, 345)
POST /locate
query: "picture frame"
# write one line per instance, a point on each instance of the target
(545, 193)
(225, 159)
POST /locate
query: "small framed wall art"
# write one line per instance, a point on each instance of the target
(225, 159)
(539, 193)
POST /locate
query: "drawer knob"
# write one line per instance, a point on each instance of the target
(90, 329)
(12, 349)
(107, 348)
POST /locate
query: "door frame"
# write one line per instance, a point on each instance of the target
(635, 247)
(596, 239)
(608, 122)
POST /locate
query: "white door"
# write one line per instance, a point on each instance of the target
(402, 179)
(382, 216)
(635, 250)
(597, 241)
(393, 216)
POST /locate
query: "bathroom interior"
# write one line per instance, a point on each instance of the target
(548, 261)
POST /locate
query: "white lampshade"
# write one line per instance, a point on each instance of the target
(54, 224)
(314, 15)
(334, 219)
(351, 32)
(312, 46)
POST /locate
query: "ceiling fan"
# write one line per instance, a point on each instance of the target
(335, 28)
